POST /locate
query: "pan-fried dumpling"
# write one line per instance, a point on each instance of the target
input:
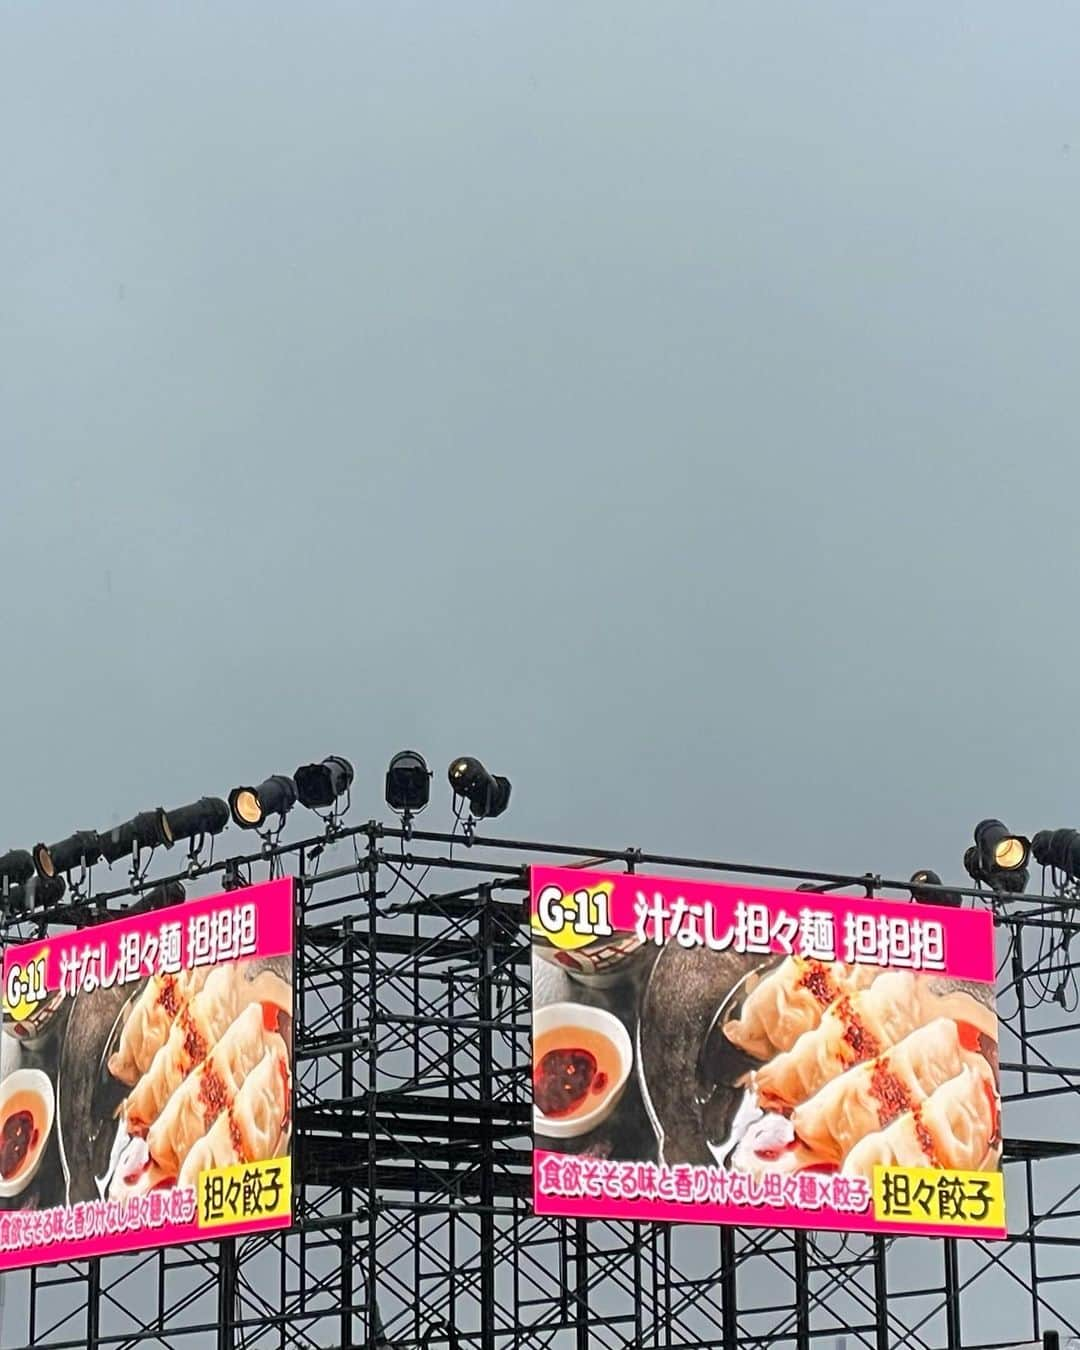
(956, 1127)
(194, 1033)
(253, 1129)
(854, 1028)
(149, 1022)
(790, 1000)
(872, 1095)
(209, 1089)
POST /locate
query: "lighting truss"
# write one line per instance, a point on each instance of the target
(414, 1225)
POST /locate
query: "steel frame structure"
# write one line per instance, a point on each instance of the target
(413, 1223)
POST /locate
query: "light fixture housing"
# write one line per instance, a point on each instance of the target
(149, 829)
(36, 892)
(81, 849)
(488, 794)
(159, 897)
(998, 858)
(320, 785)
(1059, 849)
(16, 867)
(408, 783)
(251, 807)
(209, 815)
(924, 878)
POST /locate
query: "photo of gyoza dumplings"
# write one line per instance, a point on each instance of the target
(204, 1061)
(856, 1066)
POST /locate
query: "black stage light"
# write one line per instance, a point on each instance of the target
(81, 849)
(16, 867)
(146, 830)
(487, 794)
(209, 815)
(320, 785)
(1059, 849)
(408, 783)
(925, 877)
(159, 897)
(36, 893)
(251, 806)
(998, 858)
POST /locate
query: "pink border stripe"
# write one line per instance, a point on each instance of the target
(273, 932)
(757, 1216)
(969, 936)
(145, 1241)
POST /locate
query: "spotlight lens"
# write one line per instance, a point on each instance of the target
(460, 767)
(247, 807)
(408, 782)
(1010, 853)
(46, 866)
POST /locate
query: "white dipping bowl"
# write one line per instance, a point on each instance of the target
(589, 1019)
(10, 1054)
(34, 1081)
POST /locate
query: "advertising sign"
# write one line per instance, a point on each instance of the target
(729, 1054)
(147, 1088)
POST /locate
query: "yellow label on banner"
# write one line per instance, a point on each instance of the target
(574, 920)
(245, 1193)
(24, 987)
(930, 1196)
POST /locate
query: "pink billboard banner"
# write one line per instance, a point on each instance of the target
(146, 1097)
(715, 1053)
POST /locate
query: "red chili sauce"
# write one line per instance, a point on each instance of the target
(889, 1092)
(564, 1078)
(572, 1068)
(818, 982)
(18, 1137)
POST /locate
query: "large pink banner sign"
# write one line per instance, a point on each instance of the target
(146, 1096)
(732, 1054)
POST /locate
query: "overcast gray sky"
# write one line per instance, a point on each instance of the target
(669, 403)
(673, 404)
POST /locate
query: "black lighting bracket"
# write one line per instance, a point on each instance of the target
(233, 875)
(194, 855)
(136, 872)
(77, 883)
(334, 819)
(271, 838)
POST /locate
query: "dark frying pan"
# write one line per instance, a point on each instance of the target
(87, 1095)
(691, 1097)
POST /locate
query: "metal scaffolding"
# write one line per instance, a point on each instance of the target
(413, 1223)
